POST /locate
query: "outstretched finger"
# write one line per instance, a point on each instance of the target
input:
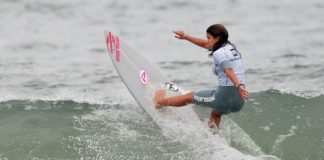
(177, 36)
(244, 95)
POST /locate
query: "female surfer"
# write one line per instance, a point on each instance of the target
(227, 65)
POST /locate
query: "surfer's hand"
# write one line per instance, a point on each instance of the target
(244, 94)
(179, 34)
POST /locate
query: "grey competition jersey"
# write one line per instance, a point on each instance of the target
(230, 56)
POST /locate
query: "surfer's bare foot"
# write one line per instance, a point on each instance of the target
(214, 120)
(159, 95)
(213, 128)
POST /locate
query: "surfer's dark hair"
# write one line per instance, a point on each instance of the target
(218, 30)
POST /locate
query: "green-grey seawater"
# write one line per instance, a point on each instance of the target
(281, 124)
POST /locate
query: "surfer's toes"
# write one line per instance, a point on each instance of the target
(159, 94)
(211, 125)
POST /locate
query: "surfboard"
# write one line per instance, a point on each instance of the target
(142, 79)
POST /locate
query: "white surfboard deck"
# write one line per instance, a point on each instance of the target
(142, 79)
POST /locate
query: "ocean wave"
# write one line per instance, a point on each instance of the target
(67, 105)
(306, 94)
(122, 124)
(277, 120)
(70, 98)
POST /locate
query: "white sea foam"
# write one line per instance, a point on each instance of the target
(276, 144)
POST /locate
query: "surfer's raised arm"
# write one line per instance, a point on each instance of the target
(197, 41)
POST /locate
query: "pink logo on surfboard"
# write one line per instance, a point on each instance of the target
(113, 45)
(143, 77)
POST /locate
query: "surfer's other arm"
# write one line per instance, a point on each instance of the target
(197, 41)
(230, 74)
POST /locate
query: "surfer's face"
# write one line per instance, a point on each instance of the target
(212, 41)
